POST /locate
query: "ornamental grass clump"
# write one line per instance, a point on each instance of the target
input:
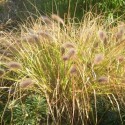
(82, 85)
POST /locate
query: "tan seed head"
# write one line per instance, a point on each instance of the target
(68, 45)
(98, 58)
(14, 65)
(103, 79)
(71, 52)
(26, 83)
(102, 36)
(120, 58)
(73, 69)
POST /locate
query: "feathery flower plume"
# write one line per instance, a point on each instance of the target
(30, 38)
(122, 29)
(65, 57)
(34, 37)
(6, 53)
(120, 58)
(57, 18)
(71, 52)
(26, 83)
(46, 20)
(120, 32)
(103, 79)
(102, 35)
(14, 65)
(68, 45)
(1, 72)
(73, 69)
(98, 58)
(45, 35)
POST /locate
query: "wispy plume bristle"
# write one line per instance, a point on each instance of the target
(46, 20)
(45, 35)
(30, 38)
(57, 18)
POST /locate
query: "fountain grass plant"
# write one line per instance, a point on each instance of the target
(77, 68)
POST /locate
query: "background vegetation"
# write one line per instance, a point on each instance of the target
(21, 8)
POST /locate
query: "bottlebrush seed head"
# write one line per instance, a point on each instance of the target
(68, 45)
(71, 52)
(103, 79)
(120, 32)
(102, 36)
(120, 58)
(73, 69)
(65, 57)
(26, 83)
(14, 65)
(98, 58)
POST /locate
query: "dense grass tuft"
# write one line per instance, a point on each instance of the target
(78, 69)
